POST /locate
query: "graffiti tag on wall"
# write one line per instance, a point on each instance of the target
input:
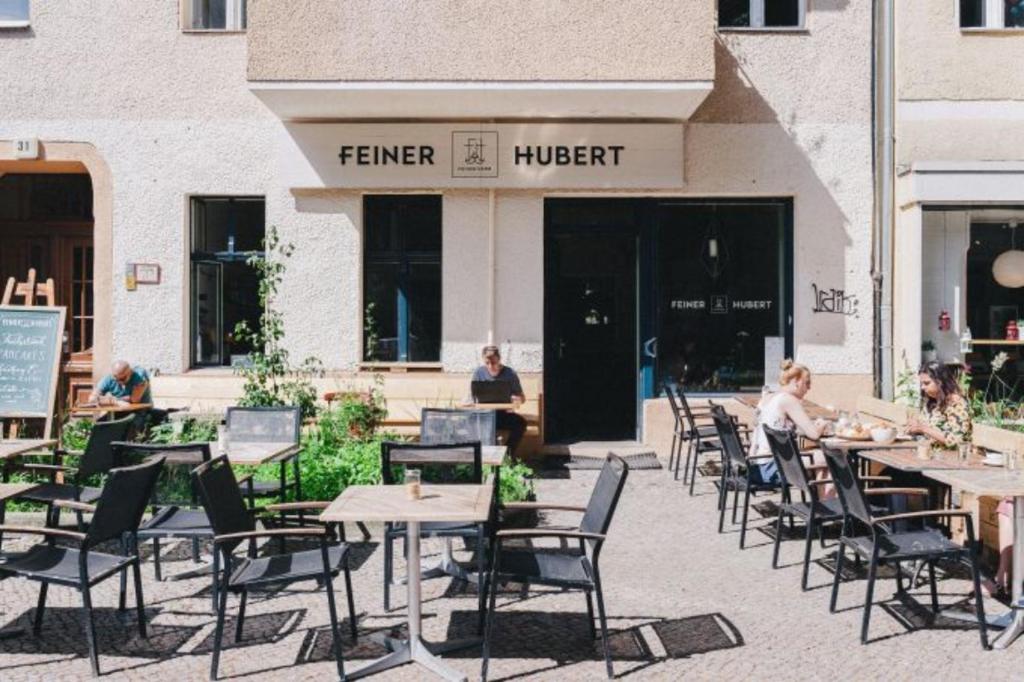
(835, 301)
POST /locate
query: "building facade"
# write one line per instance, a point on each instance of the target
(959, 183)
(653, 189)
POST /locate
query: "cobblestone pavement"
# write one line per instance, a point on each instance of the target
(682, 600)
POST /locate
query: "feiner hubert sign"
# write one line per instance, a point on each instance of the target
(512, 155)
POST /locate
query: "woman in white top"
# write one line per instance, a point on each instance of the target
(783, 410)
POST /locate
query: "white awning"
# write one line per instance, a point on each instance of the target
(308, 101)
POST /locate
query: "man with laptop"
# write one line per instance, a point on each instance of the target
(493, 383)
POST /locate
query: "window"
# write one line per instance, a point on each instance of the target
(402, 278)
(214, 15)
(768, 14)
(14, 13)
(992, 14)
(225, 232)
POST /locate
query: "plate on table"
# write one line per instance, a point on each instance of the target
(853, 435)
(994, 459)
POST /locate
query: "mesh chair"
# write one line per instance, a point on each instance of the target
(116, 515)
(98, 458)
(439, 463)
(737, 470)
(565, 569)
(233, 523)
(439, 426)
(812, 511)
(269, 425)
(698, 438)
(873, 538)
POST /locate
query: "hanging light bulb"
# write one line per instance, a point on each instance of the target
(1008, 268)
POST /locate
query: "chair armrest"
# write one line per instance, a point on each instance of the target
(244, 479)
(296, 506)
(815, 467)
(273, 532)
(41, 530)
(46, 467)
(543, 505)
(76, 505)
(897, 491)
(824, 481)
(548, 533)
(921, 515)
(61, 452)
(758, 458)
(875, 478)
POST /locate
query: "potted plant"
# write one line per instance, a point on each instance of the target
(928, 351)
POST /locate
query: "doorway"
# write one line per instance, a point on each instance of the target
(590, 320)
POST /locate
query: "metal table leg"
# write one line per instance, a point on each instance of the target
(1016, 625)
(414, 649)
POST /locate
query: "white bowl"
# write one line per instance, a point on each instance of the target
(995, 458)
(883, 434)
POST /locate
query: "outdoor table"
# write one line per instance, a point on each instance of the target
(9, 449)
(100, 411)
(998, 482)
(469, 503)
(905, 458)
(813, 410)
(7, 492)
(848, 445)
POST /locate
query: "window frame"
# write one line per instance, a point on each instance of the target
(403, 258)
(757, 14)
(236, 18)
(196, 256)
(993, 18)
(19, 23)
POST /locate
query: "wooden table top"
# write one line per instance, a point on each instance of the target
(469, 503)
(9, 490)
(846, 445)
(88, 410)
(985, 482)
(19, 446)
(905, 459)
(254, 454)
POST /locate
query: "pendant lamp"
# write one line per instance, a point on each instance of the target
(1008, 268)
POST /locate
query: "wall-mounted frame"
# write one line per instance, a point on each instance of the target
(147, 273)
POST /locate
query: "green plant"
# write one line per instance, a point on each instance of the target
(75, 434)
(908, 392)
(927, 346)
(516, 483)
(270, 377)
(371, 332)
(188, 430)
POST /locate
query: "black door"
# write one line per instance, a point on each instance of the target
(590, 320)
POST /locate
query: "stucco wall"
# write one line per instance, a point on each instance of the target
(939, 61)
(521, 40)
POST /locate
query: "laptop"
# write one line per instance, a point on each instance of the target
(491, 391)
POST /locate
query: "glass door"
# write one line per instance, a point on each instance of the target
(208, 316)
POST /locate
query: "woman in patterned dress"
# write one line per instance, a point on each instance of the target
(947, 416)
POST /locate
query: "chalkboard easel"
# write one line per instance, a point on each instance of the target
(31, 342)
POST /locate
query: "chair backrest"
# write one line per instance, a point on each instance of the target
(786, 452)
(126, 493)
(438, 462)
(850, 495)
(222, 500)
(264, 424)
(99, 456)
(605, 496)
(671, 389)
(439, 426)
(728, 436)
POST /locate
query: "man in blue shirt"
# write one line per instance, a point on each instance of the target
(493, 370)
(125, 384)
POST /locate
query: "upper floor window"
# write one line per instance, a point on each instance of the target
(213, 15)
(992, 14)
(13, 13)
(766, 14)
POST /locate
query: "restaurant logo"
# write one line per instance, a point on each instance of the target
(474, 154)
(720, 304)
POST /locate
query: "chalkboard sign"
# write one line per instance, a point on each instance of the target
(30, 348)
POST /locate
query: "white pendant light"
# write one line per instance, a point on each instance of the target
(1008, 268)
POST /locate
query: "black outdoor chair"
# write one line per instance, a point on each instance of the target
(438, 463)
(813, 512)
(877, 542)
(98, 458)
(233, 523)
(175, 518)
(737, 470)
(705, 439)
(700, 438)
(565, 569)
(442, 426)
(116, 516)
(269, 425)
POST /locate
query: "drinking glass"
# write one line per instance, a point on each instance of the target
(223, 439)
(964, 451)
(412, 483)
(924, 449)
